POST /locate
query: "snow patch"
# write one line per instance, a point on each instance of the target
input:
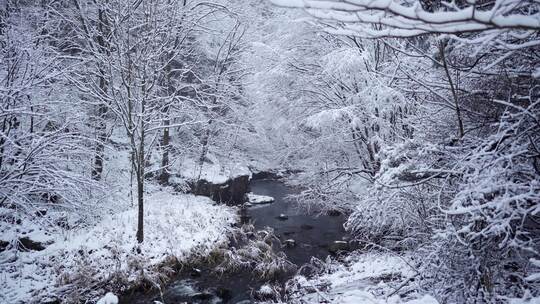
(363, 278)
(109, 298)
(536, 73)
(266, 290)
(259, 199)
(212, 172)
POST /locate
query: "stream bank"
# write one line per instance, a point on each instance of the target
(301, 238)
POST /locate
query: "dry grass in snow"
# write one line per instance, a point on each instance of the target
(84, 264)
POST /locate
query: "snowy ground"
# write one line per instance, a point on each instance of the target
(212, 172)
(175, 225)
(362, 278)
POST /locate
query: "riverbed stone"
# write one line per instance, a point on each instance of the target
(289, 243)
(231, 192)
(338, 246)
(282, 217)
(195, 272)
(265, 293)
(202, 296)
(257, 199)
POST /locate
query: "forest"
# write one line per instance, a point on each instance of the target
(270, 151)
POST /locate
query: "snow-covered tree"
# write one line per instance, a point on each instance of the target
(464, 179)
(42, 135)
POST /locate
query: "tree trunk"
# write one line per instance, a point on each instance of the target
(461, 129)
(101, 129)
(204, 151)
(140, 215)
(140, 163)
(165, 141)
(141, 160)
(97, 169)
(2, 142)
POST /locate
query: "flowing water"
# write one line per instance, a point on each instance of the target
(312, 236)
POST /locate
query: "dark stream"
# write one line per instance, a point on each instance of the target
(313, 236)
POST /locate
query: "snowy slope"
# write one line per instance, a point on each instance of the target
(175, 225)
(215, 172)
(363, 278)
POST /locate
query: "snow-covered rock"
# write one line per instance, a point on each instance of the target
(259, 199)
(266, 290)
(338, 246)
(266, 293)
(289, 243)
(282, 217)
(109, 298)
(232, 191)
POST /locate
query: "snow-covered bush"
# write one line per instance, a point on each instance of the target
(256, 253)
(492, 229)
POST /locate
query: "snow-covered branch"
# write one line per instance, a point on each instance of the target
(390, 18)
